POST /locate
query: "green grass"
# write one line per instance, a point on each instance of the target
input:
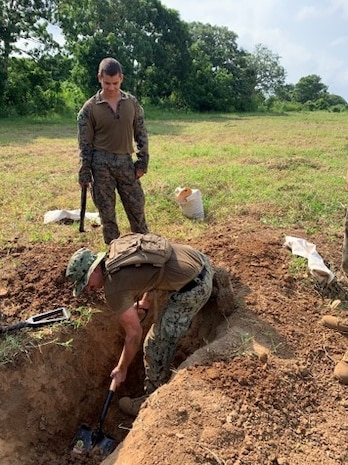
(10, 347)
(289, 168)
(13, 344)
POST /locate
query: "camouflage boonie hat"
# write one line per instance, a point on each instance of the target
(81, 266)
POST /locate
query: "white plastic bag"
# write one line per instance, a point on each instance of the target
(316, 265)
(58, 215)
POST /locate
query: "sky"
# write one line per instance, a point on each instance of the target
(309, 36)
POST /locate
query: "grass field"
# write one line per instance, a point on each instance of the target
(289, 168)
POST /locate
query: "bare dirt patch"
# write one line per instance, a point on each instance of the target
(254, 387)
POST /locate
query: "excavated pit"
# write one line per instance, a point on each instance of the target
(262, 392)
(61, 382)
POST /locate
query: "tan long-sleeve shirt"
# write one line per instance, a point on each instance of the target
(100, 128)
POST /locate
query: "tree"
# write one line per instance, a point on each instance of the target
(21, 20)
(333, 99)
(309, 88)
(220, 78)
(148, 39)
(204, 91)
(166, 65)
(32, 89)
(285, 92)
(270, 75)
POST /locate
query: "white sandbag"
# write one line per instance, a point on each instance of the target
(190, 202)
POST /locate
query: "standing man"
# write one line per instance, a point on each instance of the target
(187, 276)
(108, 124)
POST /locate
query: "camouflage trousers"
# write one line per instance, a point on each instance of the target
(173, 323)
(113, 172)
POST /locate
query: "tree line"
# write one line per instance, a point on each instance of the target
(167, 62)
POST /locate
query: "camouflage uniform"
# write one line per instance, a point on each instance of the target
(161, 341)
(186, 277)
(106, 147)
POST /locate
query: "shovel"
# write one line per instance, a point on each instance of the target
(47, 318)
(86, 439)
(83, 208)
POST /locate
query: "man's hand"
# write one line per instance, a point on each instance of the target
(143, 305)
(119, 375)
(85, 176)
(142, 310)
(139, 168)
(147, 300)
(139, 173)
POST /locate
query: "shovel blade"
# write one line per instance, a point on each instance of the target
(52, 316)
(83, 440)
(47, 318)
(105, 445)
(86, 440)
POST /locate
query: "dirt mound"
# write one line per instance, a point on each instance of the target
(252, 381)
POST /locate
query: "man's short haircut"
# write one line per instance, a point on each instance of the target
(110, 67)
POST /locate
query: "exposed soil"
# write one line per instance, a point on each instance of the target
(255, 382)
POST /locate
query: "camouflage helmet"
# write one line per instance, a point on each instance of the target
(80, 267)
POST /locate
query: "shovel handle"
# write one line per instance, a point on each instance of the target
(83, 208)
(108, 399)
(20, 325)
(113, 385)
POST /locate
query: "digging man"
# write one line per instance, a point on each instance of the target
(186, 274)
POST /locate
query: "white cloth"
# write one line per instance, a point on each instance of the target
(58, 215)
(308, 250)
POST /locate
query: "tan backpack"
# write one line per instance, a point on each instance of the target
(137, 250)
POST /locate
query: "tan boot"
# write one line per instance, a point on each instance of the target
(336, 323)
(131, 406)
(341, 370)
